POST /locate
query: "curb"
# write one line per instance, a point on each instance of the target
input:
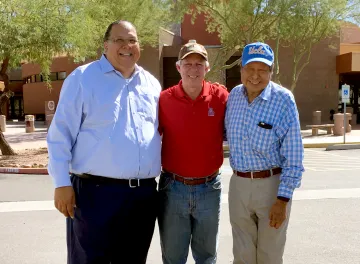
(317, 145)
(329, 146)
(344, 146)
(24, 170)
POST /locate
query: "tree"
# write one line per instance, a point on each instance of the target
(305, 24)
(291, 23)
(237, 22)
(38, 30)
(33, 31)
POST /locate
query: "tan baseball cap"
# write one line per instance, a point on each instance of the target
(192, 47)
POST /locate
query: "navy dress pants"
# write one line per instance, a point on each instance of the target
(113, 223)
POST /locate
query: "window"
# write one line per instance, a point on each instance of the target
(53, 76)
(61, 75)
(38, 78)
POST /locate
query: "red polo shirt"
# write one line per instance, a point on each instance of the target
(192, 130)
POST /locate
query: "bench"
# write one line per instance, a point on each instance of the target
(315, 128)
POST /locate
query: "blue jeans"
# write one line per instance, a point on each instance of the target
(189, 215)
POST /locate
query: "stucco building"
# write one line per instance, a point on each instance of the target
(333, 62)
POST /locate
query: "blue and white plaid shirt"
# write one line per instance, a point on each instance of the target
(253, 148)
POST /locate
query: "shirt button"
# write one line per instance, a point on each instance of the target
(245, 138)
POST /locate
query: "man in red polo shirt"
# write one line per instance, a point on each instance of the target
(191, 118)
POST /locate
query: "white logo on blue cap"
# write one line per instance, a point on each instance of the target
(259, 52)
(254, 50)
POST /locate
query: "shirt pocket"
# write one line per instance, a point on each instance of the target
(263, 140)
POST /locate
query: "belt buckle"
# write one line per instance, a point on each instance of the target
(186, 181)
(134, 186)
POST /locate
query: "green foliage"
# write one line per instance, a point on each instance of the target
(37, 30)
(299, 24)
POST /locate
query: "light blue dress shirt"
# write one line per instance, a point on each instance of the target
(253, 148)
(105, 125)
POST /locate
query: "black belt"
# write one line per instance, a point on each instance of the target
(133, 183)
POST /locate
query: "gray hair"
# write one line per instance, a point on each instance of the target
(207, 64)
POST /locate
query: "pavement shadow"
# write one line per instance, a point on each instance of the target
(36, 136)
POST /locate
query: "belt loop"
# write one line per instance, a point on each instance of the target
(271, 172)
(252, 175)
(134, 186)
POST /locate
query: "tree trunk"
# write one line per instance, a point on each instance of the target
(4, 146)
(6, 94)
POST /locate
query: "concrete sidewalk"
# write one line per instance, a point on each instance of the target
(18, 139)
(324, 140)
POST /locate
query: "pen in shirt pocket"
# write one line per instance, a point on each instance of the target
(265, 125)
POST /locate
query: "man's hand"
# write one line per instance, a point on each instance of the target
(220, 85)
(64, 200)
(277, 213)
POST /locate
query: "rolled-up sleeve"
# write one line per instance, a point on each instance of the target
(64, 129)
(291, 151)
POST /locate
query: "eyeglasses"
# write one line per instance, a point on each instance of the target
(122, 42)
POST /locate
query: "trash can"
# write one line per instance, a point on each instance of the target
(316, 118)
(29, 123)
(339, 124)
(3, 123)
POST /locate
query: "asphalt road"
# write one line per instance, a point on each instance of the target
(324, 226)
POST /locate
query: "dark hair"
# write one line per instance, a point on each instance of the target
(117, 22)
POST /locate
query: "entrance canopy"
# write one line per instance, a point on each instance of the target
(347, 63)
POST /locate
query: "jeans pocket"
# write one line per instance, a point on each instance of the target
(215, 183)
(165, 182)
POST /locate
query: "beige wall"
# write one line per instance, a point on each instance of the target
(355, 63)
(346, 48)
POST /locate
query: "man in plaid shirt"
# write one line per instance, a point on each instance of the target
(266, 154)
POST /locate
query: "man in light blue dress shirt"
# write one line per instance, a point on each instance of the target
(104, 154)
(266, 154)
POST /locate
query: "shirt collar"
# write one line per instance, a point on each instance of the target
(265, 94)
(107, 67)
(179, 90)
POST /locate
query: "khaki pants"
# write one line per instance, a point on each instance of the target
(254, 241)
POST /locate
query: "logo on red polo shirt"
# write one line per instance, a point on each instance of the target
(211, 112)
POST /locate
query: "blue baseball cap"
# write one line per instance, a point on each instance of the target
(257, 51)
